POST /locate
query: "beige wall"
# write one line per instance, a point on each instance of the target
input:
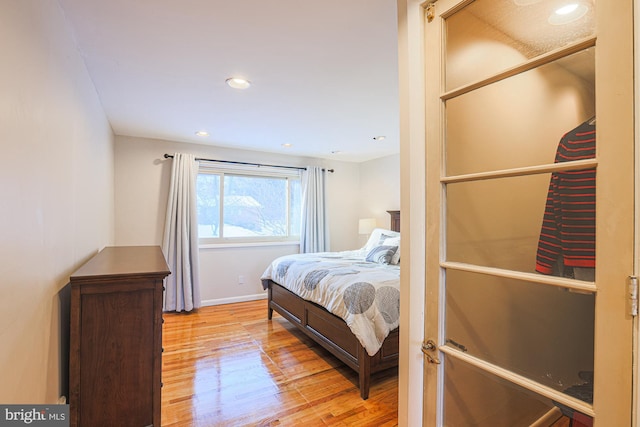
(142, 181)
(57, 190)
(379, 189)
(411, 384)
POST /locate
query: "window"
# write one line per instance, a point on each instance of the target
(240, 204)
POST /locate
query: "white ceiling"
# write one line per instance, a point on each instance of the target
(324, 73)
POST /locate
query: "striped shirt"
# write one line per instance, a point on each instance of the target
(568, 231)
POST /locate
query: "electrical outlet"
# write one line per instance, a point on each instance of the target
(240, 280)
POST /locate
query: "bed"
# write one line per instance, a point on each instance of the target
(347, 302)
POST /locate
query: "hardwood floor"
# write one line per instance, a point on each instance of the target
(228, 365)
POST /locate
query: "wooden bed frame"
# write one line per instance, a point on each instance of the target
(332, 333)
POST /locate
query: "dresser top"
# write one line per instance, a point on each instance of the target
(118, 261)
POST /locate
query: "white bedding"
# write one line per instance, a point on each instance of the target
(365, 294)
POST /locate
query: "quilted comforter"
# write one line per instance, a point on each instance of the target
(366, 295)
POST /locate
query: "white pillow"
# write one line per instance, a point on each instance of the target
(393, 241)
(376, 238)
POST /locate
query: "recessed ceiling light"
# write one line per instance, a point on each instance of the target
(238, 82)
(568, 13)
(336, 152)
(379, 138)
(202, 133)
(567, 9)
(287, 145)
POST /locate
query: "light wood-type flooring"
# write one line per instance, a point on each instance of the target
(228, 365)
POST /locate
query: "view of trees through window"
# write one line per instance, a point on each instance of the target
(245, 206)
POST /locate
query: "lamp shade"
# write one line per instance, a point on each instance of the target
(366, 225)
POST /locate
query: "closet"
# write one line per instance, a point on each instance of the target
(523, 200)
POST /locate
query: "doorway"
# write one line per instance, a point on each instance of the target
(522, 323)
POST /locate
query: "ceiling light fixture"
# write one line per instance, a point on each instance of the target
(568, 13)
(202, 133)
(379, 138)
(287, 145)
(238, 82)
(565, 10)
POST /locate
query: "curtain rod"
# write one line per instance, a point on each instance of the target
(169, 156)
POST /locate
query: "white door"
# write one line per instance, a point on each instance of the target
(521, 327)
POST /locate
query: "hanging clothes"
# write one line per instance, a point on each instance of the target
(568, 234)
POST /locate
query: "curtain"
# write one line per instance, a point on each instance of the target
(180, 242)
(314, 236)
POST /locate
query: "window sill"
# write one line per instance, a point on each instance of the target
(247, 244)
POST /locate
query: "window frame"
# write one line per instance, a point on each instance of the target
(223, 170)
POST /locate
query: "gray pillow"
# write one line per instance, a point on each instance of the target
(381, 254)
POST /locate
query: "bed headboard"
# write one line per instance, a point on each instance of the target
(395, 220)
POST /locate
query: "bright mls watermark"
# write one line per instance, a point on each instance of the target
(34, 415)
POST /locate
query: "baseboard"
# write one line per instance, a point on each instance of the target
(242, 298)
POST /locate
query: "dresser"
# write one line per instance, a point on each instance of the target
(115, 359)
